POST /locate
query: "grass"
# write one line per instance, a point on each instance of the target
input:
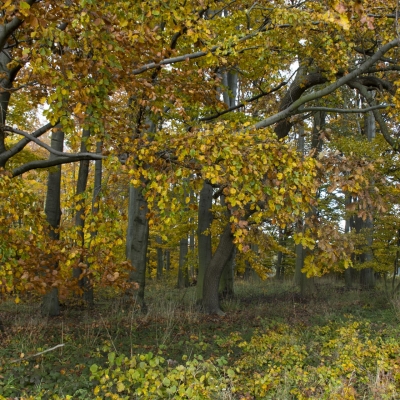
(173, 330)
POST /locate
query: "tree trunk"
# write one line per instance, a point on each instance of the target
(88, 296)
(137, 241)
(367, 277)
(160, 258)
(83, 174)
(227, 278)
(167, 260)
(280, 268)
(214, 270)
(348, 276)
(7, 77)
(306, 284)
(50, 304)
(205, 218)
(183, 272)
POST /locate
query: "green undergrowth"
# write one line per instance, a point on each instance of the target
(272, 344)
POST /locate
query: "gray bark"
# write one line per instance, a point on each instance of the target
(348, 274)
(50, 303)
(280, 268)
(137, 241)
(183, 271)
(226, 288)
(88, 296)
(167, 260)
(367, 278)
(205, 218)
(160, 258)
(214, 270)
(83, 174)
(6, 83)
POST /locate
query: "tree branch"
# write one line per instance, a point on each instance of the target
(191, 56)
(4, 157)
(37, 354)
(6, 30)
(328, 89)
(243, 104)
(377, 115)
(343, 110)
(50, 163)
(50, 149)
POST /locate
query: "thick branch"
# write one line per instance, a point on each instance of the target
(343, 110)
(377, 115)
(50, 149)
(326, 90)
(50, 163)
(4, 157)
(8, 29)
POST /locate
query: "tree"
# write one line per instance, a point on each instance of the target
(107, 66)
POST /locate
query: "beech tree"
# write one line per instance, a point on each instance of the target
(105, 67)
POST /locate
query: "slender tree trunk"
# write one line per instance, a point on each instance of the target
(83, 174)
(348, 276)
(137, 241)
(205, 218)
(167, 260)
(98, 177)
(160, 258)
(396, 262)
(183, 272)
(214, 270)
(50, 304)
(280, 268)
(367, 277)
(306, 284)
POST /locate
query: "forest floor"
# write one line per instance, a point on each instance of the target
(334, 344)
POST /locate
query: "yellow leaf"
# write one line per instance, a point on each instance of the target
(120, 386)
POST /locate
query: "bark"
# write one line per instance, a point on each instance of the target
(193, 268)
(230, 80)
(280, 268)
(205, 218)
(137, 241)
(214, 270)
(301, 83)
(6, 82)
(183, 272)
(348, 273)
(226, 288)
(88, 296)
(160, 259)
(167, 260)
(367, 277)
(50, 303)
(83, 174)
(306, 284)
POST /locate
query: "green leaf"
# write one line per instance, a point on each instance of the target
(166, 382)
(94, 368)
(24, 5)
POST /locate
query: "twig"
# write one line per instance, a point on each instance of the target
(37, 354)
